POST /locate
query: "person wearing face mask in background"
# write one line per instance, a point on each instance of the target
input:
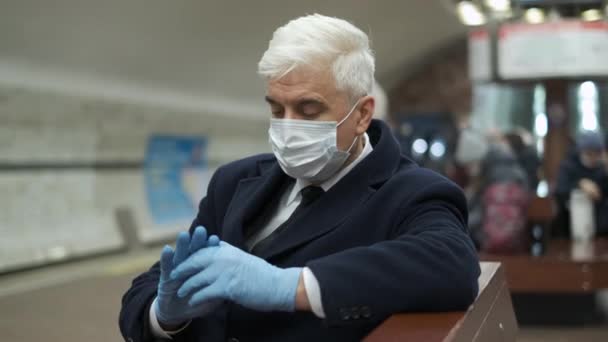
(584, 170)
(326, 237)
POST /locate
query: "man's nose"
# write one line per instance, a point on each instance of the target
(291, 114)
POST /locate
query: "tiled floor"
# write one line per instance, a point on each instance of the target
(569, 334)
(70, 302)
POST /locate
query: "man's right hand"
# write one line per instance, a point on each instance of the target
(591, 189)
(171, 310)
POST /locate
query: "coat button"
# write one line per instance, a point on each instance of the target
(366, 312)
(233, 339)
(345, 314)
(355, 312)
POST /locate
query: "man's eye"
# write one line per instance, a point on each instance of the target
(275, 110)
(311, 110)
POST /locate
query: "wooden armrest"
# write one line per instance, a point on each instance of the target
(490, 318)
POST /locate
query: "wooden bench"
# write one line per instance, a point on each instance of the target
(566, 267)
(490, 318)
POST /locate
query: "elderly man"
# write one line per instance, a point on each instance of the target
(326, 237)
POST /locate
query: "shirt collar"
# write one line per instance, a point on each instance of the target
(333, 180)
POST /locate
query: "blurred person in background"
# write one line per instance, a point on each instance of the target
(520, 142)
(326, 237)
(584, 168)
(497, 192)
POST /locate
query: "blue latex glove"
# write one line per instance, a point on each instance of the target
(227, 273)
(171, 309)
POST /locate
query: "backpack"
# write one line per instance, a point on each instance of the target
(504, 218)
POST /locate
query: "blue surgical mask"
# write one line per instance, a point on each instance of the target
(307, 149)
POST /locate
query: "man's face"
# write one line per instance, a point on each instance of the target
(591, 158)
(306, 94)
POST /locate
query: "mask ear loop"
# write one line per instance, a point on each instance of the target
(346, 117)
(349, 113)
(353, 144)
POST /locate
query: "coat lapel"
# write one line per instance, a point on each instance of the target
(248, 201)
(326, 214)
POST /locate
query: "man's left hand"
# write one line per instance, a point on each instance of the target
(226, 272)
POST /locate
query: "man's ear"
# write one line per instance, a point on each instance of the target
(366, 108)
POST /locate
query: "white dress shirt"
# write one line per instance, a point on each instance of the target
(287, 205)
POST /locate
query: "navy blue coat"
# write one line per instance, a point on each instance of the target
(389, 237)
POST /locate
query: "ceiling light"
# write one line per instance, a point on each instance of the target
(589, 122)
(420, 146)
(470, 14)
(587, 90)
(542, 190)
(534, 15)
(437, 149)
(541, 125)
(592, 15)
(498, 5)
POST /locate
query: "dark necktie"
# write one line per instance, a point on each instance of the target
(309, 195)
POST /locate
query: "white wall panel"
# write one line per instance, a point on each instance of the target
(47, 214)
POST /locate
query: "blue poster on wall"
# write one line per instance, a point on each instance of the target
(174, 171)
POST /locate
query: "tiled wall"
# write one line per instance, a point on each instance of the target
(51, 214)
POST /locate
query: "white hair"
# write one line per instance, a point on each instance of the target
(319, 41)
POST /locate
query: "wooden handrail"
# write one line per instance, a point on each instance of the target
(490, 318)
